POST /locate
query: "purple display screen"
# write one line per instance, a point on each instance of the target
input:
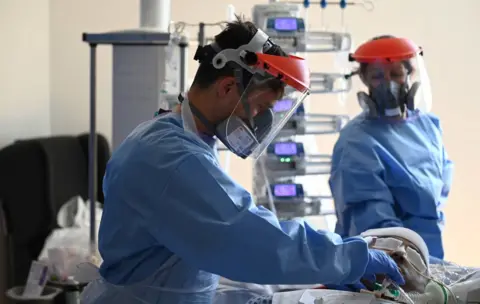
(283, 105)
(286, 24)
(285, 190)
(285, 149)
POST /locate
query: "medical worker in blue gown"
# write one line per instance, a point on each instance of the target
(174, 221)
(390, 167)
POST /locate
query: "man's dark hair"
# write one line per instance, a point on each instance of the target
(235, 34)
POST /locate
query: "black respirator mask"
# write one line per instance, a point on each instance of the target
(389, 99)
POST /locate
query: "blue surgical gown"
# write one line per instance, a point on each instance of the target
(391, 174)
(166, 197)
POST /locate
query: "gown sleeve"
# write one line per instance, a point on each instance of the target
(210, 221)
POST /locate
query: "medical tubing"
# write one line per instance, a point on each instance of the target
(404, 297)
(366, 4)
(427, 296)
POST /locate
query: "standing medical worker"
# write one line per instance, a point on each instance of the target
(389, 166)
(173, 220)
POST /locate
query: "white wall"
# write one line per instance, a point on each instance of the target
(447, 31)
(70, 60)
(24, 69)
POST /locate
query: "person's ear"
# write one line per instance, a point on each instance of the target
(225, 87)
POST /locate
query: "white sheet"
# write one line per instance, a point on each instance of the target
(319, 296)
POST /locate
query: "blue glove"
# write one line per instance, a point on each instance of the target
(380, 263)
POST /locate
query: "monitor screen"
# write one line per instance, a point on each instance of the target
(286, 24)
(283, 105)
(283, 190)
(285, 149)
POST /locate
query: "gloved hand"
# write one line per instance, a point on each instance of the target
(380, 263)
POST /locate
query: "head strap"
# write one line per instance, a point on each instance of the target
(397, 245)
(260, 43)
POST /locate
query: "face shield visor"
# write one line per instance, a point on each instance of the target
(395, 76)
(262, 80)
(261, 112)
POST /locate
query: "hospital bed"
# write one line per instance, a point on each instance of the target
(463, 282)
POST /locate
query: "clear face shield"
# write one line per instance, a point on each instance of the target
(254, 124)
(394, 74)
(262, 80)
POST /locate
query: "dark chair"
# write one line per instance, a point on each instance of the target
(37, 176)
(103, 155)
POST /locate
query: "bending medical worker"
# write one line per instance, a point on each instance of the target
(173, 220)
(389, 166)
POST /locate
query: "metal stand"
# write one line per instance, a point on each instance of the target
(92, 149)
(201, 34)
(134, 37)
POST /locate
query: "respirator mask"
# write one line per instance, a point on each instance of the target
(389, 98)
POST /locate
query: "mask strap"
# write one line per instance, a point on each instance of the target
(367, 103)
(411, 96)
(387, 243)
(187, 116)
(196, 112)
(216, 47)
(392, 244)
